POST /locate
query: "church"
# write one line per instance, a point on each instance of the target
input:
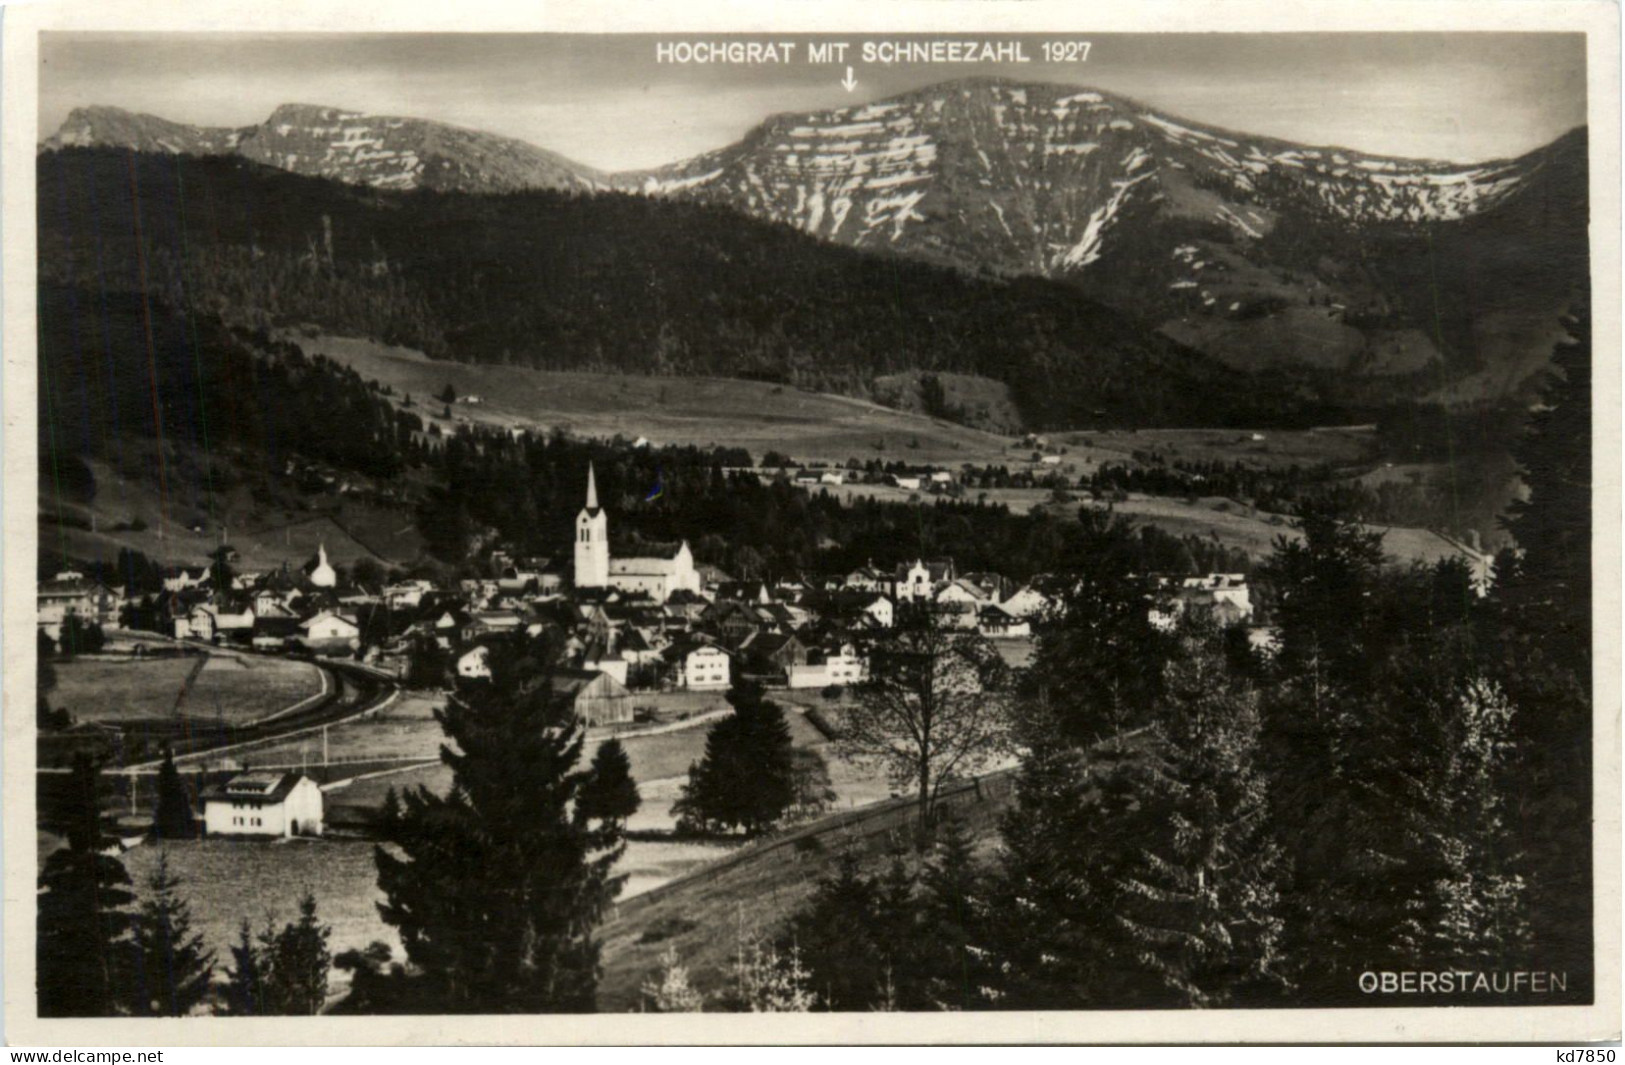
(669, 569)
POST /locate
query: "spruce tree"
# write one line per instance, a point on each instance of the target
(810, 785)
(496, 887)
(1098, 663)
(246, 991)
(82, 947)
(173, 970)
(297, 962)
(173, 818)
(1141, 874)
(745, 779)
(836, 935)
(955, 961)
(609, 793)
(1198, 911)
(1543, 656)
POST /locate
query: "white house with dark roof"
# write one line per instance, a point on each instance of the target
(264, 804)
(699, 666)
(328, 631)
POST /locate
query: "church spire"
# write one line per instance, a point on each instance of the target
(592, 489)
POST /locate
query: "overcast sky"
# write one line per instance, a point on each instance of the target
(604, 101)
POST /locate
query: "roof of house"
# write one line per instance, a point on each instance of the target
(67, 589)
(311, 622)
(255, 789)
(685, 647)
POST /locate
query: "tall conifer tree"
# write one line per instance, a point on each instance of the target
(173, 969)
(496, 887)
(82, 946)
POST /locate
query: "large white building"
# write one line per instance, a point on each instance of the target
(264, 804)
(656, 575)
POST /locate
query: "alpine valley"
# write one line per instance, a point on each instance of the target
(1107, 263)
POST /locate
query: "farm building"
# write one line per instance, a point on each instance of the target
(264, 805)
(596, 698)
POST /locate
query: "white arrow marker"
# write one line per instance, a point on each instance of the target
(849, 81)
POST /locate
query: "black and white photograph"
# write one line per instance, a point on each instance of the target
(916, 521)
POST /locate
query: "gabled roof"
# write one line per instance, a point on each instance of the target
(72, 588)
(255, 789)
(685, 647)
(663, 551)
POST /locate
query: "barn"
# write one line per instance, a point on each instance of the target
(596, 697)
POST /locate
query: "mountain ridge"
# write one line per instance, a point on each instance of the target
(356, 147)
(1258, 252)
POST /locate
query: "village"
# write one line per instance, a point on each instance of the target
(648, 639)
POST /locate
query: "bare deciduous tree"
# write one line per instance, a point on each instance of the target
(932, 707)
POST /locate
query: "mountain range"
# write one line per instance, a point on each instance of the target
(1426, 279)
(349, 146)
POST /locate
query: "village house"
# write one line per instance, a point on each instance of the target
(70, 592)
(919, 580)
(773, 654)
(186, 578)
(264, 804)
(699, 666)
(913, 582)
(406, 595)
(600, 656)
(1222, 598)
(956, 604)
(996, 623)
(330, 633)
(206, 621)
(839, 665)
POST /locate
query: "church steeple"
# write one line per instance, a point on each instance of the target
(592, 540)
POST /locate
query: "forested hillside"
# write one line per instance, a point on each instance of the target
(614, 282)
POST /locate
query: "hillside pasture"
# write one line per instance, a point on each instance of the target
(702, 411)
(181, 528)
